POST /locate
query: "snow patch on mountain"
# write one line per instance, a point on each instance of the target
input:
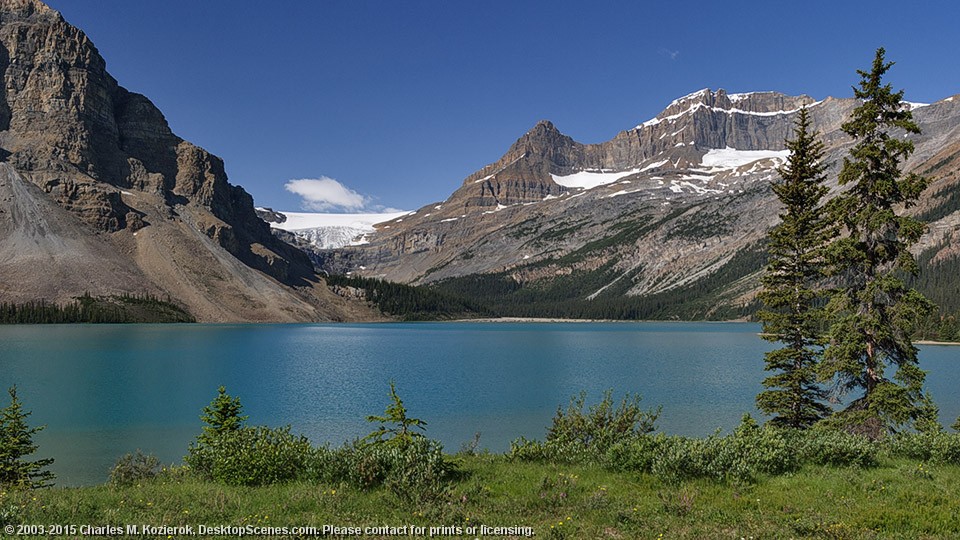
(590, 179)
(674, 117)
(729, 158)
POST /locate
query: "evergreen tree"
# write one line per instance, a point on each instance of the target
(873, 312)
(796, 253)
(402, 432)
(222, 415)
(16, 442)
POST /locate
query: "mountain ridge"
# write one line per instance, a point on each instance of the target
(660, 207)
(147, 211)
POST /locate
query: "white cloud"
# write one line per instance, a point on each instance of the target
(322, 194)
(672, 55)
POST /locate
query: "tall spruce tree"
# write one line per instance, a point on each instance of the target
(16, 443)
(790, 286)
(223, 414)
(873, 312)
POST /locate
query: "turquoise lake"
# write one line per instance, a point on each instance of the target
(106, 390)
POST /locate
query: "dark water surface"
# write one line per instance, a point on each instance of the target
(105, 390)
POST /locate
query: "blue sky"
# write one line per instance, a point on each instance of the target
(398, 101)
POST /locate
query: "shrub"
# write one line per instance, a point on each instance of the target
(932, 447)
(251, 456)
(578, 436)
(413, 467)
(637, 454)
(748, 451)
(821, 446)
(229, 452)
(415, 472)
(602, 425)
(134, 468)
(767, 450)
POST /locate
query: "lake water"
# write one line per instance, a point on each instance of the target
(105, 390)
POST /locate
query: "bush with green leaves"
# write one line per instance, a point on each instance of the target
(578, 436)
(229, 452)
(412, 466)
(134, 468)
(932, 447)
(837, 447)
(601, 425)
(637, 454)
(251, 456)
(750, 450)
(415, 472)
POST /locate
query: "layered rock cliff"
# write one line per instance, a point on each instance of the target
(158, 208)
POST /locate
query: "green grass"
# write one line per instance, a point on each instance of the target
(898, 499)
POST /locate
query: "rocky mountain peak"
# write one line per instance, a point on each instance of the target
(767, 102)
(27, 10)
(545, 141)
(105, 161)
(704, 102)
(647, 220)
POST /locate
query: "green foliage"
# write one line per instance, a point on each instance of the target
(409, 302)
(407, 463)
(229, 452)
(565, 296)
(134, 468)
(928, 416)
(417, 471)
(791, 287)
(251, 456)
(222, 415)
(602, 425)
(933, 447)
(748, 451)
(16, 443)
(838, 448)
(874, 313)
(411, 466)
(400, 432)
(124, 308)
(582, 436)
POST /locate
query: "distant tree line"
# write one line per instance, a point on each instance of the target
(411, 303)
(566, 296)
(124, 308)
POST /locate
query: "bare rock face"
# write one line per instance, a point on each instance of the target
(73, 130)
(107, 156)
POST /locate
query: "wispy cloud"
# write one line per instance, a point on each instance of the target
(672, 55)
(324, 193)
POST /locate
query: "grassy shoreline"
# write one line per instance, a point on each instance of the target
(900, 498)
